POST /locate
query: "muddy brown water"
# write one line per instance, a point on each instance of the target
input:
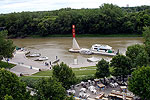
(52, 47)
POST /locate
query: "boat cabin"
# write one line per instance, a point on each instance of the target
(98, 47)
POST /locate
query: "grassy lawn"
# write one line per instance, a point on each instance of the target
(82, 74)
(78, 72)
(43, 73)
(29, 77)
(83, 71)
(6, 65)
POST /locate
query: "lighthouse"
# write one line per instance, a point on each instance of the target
(75, 46)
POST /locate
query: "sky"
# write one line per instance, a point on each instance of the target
(8, 6)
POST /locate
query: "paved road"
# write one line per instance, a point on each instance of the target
(20, 69)
(25, 65)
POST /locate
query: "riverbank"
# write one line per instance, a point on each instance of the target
(28, 67)
(87, 35)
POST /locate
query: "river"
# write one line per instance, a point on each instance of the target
(52, 47)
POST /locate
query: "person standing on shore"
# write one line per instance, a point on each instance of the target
(46, 64)
(56, 57)
(50, 65)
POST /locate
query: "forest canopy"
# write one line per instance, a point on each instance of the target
(107, 19)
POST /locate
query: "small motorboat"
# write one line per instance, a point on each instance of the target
(74, 51)
(85, 51)
(93, 59)
(56, 61)
(34, 55)
(42, 58)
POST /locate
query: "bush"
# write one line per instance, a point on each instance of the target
(30, 81)
(85, 78)
(6, 65)
(11, 86)
(50, 89)
(63, 73)
(139, 83)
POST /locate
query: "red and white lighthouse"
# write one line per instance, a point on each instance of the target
(75, 46)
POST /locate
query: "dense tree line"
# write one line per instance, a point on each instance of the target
(108, 19)
(136, 9)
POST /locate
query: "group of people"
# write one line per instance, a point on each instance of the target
(48, 64)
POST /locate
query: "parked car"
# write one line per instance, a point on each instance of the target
(84, 95)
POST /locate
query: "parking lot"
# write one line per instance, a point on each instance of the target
(94, 89)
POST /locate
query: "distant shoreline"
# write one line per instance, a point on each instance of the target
(83, 35)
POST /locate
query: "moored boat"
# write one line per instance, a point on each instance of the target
(92, 59)
(42, 58)
(56, 61)
(34, 55)
(73, 50)
(104, 53)
(85, 51)
(98, 47)
(102, 50)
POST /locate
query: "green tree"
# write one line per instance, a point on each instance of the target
(64, 74)
(133, 51)
(121, 66)
(112, 16)
(142, 59)
(139, 83)
(50, 89)
(8, 97)
(6, 46)
(11, 86)
(146, 36)
(102, 69)
(70, 98)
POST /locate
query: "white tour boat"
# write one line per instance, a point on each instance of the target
(42, 58)
(85, 51)
(102, 50)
